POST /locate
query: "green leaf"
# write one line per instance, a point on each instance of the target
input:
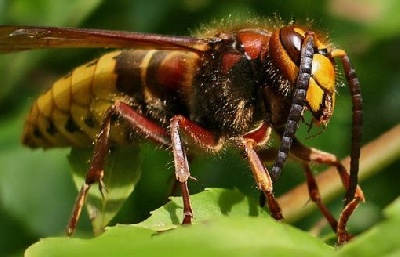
(207, 205)
(121, 174)
(236, 236)
(153, 188)
(381, 240)
(214, 235)
(222, 230)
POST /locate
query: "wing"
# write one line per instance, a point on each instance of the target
(18, 38)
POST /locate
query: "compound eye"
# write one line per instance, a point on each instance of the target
(291, 41)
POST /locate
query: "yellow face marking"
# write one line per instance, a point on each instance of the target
(323, 71)
(317, 42)
(322, 83)
(314, 96)
(299, 30)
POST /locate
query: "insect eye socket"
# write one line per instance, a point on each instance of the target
(291, 41)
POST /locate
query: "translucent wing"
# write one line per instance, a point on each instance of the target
(18, 38)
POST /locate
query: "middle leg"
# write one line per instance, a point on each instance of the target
(181, 126)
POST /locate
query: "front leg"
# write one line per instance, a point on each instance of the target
(307, 155)
(262, 178)
(250, 141)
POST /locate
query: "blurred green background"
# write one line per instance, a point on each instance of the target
(36, 188)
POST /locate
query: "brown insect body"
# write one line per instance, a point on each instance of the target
(235, 85)
(230, 90)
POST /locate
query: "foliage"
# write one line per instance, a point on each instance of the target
(221, 230)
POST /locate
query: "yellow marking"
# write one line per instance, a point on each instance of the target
(323, 72)
(45, 104)
(42, 123)
(60, 119)
(71, 97)
(61, 94)
(27, 136)
(300, 31)
(338, 53)
(143, 70)
(79, 114)
(314, 96)
(81, 83)
(99, 108)
(317, 42)
(118, 131)
(104, 79)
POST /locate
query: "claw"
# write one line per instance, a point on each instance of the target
(102, 188)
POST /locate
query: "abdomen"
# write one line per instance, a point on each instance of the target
(155, 83)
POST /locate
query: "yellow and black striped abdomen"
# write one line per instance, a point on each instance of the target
(70, 113)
